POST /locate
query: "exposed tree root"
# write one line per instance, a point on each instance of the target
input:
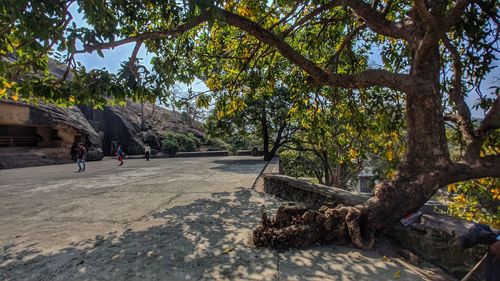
(296, 226)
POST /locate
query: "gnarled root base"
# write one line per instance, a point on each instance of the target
(296, 226)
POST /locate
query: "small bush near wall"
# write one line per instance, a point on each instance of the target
(169, 146)
(175, 142)
(215, 144)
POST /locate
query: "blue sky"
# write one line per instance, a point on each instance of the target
(113, 58)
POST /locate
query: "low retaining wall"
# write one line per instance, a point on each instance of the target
(243, 153)
(191, 154)
(313, 195)
(435, 238)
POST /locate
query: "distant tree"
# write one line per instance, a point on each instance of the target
(347, 131)
(263, 113)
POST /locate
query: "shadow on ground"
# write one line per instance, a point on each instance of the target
(204, 240)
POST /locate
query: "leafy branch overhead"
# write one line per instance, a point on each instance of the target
(433, 54)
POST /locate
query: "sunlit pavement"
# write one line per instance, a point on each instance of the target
(166, 219)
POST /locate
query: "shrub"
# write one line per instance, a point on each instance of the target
(239, 142)
(187, 142)
(215, 144)
(476, 200)
(173, 142)
(169, 146)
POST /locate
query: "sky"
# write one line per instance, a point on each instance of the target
(113, 58)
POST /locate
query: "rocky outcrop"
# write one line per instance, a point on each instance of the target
(54, 132)
(71, 117)
(135, 125)
(44, 133)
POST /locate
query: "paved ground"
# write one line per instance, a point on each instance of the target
(167, 219)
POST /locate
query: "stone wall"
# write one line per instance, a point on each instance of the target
(313, 195)
(435, 238)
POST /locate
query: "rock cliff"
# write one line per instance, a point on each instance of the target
(43, 134)
(48, 134)
(135, 125)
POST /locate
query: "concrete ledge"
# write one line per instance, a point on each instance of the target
(244, 153)
(313, 195)
(202, 154)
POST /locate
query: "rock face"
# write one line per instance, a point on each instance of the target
(49, 134)
(135, 125)
(43, 133)
(70, 117)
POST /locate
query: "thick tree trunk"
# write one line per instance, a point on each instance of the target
(419, 177)
(271, 153)
(427, 156)
(326, 168)
(427, 145)
(267, 155)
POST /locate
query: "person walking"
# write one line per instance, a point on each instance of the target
(81, 154)
(120, 154)
(147, 151)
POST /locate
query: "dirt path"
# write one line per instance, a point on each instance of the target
(167, 219)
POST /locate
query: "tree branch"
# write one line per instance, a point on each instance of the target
(131, 62)
(454, 14)
(376, 21)
(334, 59)
(491, 13)
(483, 167)
(424, 13)
(363, 79)
(176, 31)
(312, 14)
(287, 16)
(491, 120)
(277, 142)
(456, 94)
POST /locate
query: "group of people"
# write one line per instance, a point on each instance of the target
(81, 155)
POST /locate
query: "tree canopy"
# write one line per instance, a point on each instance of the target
(433, 54)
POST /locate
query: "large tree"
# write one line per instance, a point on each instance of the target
(434, 52)
(262, 113)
